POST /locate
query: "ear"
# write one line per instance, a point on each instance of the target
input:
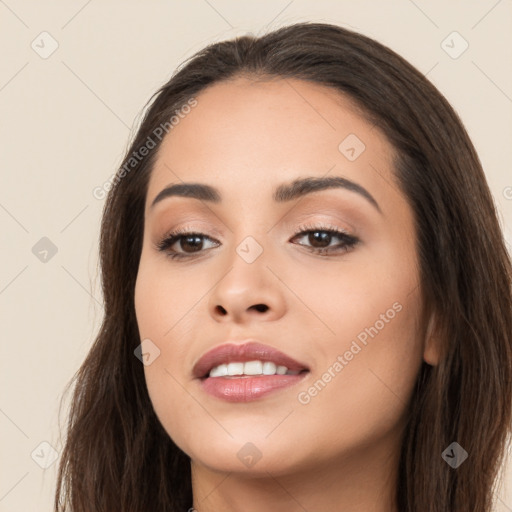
(432, 346)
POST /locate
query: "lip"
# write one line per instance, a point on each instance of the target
(245, 388)
(248, 351)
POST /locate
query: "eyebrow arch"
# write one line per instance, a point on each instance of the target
(283, 193)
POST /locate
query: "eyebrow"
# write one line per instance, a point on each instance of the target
(283, 193)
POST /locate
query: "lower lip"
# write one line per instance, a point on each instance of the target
(247, 388)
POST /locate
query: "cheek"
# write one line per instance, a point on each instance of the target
(164, 300)
(369, 352)
(367, 374)
(166, 316)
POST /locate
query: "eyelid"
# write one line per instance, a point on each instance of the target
(192, 226)
(323, 221)
(329, 220)
(349, 241)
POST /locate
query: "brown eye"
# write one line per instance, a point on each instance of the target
(320, 239)
(188, 242)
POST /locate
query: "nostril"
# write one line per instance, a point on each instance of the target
(260, 307)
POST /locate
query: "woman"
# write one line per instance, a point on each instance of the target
(302, 250)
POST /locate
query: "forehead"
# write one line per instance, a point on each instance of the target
(255, 134)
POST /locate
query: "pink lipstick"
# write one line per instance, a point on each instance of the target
(246, 372)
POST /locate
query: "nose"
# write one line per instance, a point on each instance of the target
(247, 292)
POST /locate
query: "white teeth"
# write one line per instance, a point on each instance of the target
(219, 371)
(250, 368)
(235, 368)
(269, 368)
(253, 368)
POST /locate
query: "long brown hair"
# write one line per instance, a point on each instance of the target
(117, 456)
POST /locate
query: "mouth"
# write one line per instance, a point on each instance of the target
(242, 373)
(251, 368)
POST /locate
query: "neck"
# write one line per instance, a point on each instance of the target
(365, 481)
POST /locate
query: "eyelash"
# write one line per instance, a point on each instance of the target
(348, 241)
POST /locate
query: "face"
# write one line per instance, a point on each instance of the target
(327, 276)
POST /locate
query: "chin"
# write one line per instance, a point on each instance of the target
(258, 456)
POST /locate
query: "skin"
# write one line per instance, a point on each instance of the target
(340, 450)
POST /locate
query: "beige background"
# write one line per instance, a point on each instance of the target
(66, 121)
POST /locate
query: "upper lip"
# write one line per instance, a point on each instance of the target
(248, 351)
